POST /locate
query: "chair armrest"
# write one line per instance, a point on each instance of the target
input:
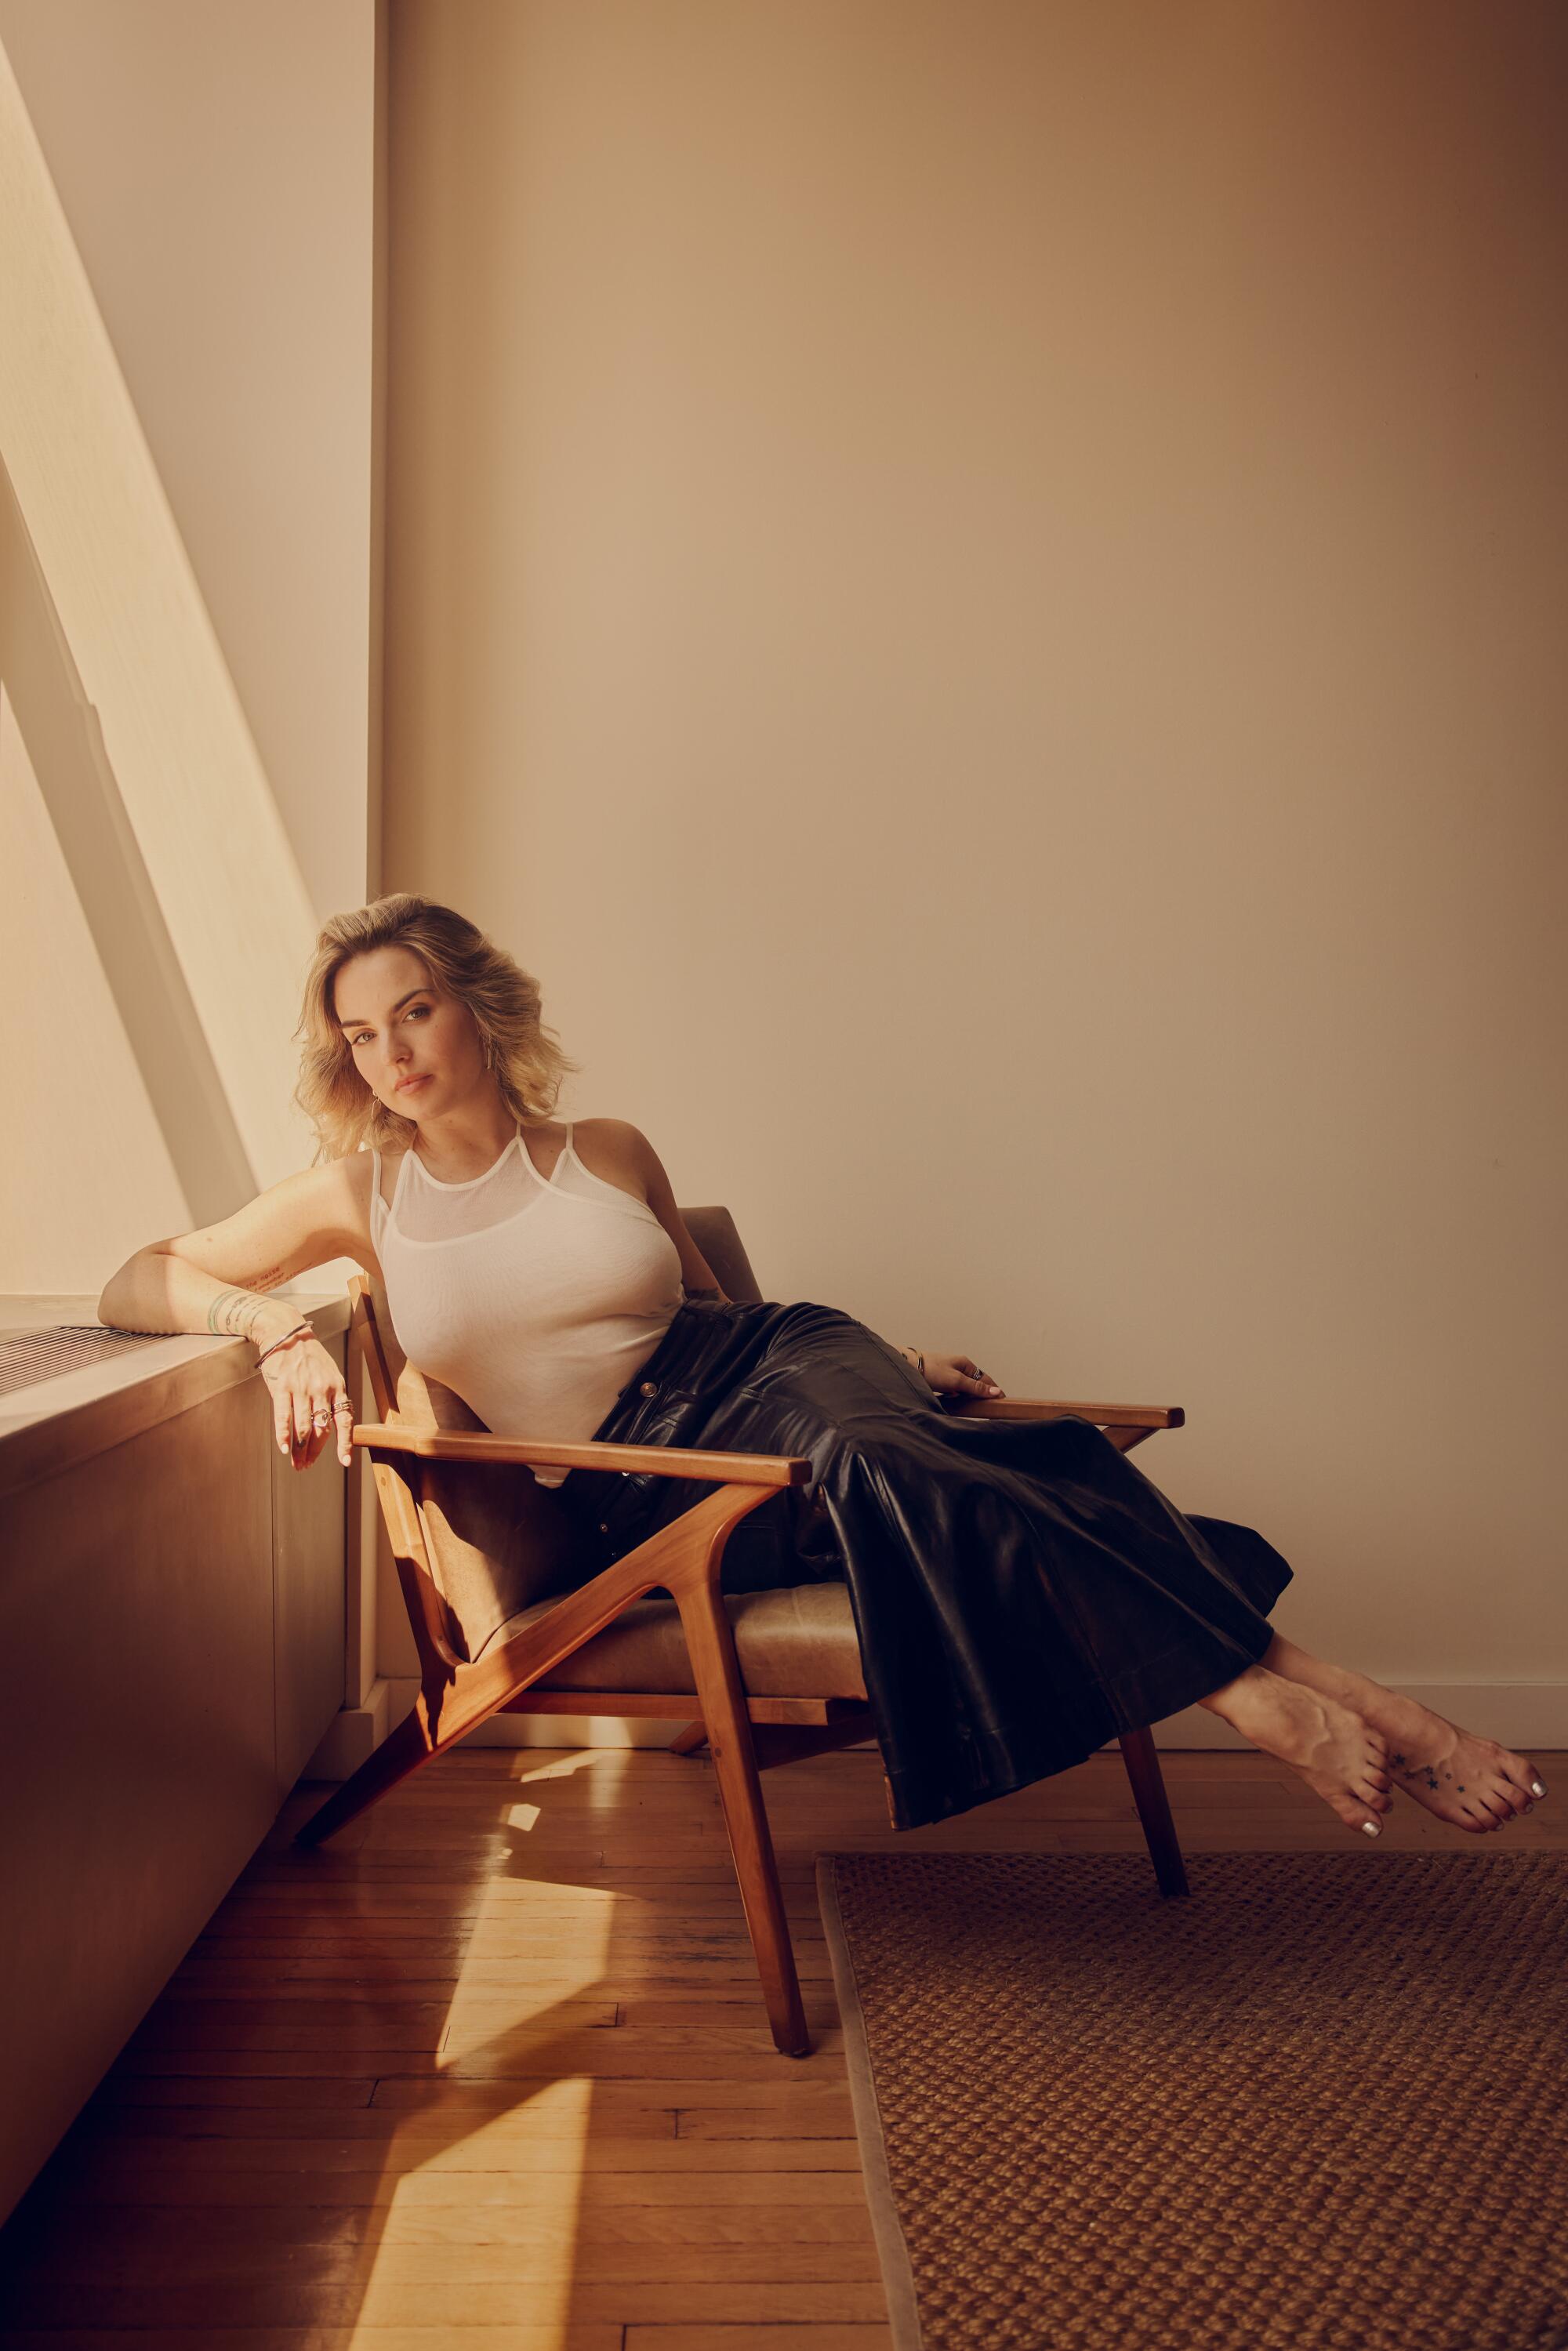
(1104, 1415)
(663, 1460)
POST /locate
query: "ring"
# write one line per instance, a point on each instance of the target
(343, 1405)
(320, 1419)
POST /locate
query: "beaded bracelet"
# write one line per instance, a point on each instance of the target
(284, 1340)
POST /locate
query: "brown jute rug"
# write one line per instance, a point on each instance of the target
(1320, 2100)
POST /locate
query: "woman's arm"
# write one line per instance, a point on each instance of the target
(216, 1279)
(946, 1375)
(697, 1277)
(950, 1374)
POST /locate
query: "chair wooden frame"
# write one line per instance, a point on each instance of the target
(744, 1735)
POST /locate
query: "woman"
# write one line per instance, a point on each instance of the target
(1021, 1592)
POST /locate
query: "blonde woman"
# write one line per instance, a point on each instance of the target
(1021, 1592)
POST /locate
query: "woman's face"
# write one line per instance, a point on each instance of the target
(414, 1047)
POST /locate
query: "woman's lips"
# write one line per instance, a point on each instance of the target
(407, 1085)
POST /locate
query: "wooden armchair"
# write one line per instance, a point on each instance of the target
(491, 1571)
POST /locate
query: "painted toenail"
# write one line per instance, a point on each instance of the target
(1536, 1788)
(1372, 1828)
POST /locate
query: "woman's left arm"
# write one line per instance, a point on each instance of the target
(950, 1374)
(698, 1279)
(946, 1375)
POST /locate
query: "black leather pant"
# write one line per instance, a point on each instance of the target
(1021, 1592)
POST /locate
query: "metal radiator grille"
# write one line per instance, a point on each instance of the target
(28, 1356)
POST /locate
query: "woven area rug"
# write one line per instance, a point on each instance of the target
(1320, 2100)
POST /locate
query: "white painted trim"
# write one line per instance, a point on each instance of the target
(356, 1731)
(1519, 1714)
(543, 1729)
(1526, 1715)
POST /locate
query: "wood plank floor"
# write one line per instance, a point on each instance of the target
(491, 2070)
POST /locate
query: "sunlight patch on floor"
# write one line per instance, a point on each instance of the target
(533, 1981)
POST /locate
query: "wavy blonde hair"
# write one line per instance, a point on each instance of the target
(503, 999)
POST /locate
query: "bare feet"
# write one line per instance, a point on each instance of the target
(1342, 1758)
(1473, 1782)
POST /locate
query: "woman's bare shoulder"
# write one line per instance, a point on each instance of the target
(620, 1135)
(359, 1173)
(615, 1134)
(351, 1177)
(614, 1149)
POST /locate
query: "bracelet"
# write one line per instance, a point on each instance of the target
(284, 1340)
(919, 1358)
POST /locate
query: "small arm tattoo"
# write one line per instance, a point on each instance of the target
(267, 1280)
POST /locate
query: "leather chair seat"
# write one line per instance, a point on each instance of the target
(796, 1640)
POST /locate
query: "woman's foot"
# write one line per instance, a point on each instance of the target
(1342, 1758)
(1473, 1782)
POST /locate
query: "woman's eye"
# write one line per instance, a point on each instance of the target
(365, 1036)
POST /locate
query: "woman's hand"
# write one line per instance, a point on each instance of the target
(310, 1405)
(951, 1374)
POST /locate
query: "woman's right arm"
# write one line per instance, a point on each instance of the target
(216, 1279)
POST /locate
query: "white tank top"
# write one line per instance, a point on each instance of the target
(534, 1301)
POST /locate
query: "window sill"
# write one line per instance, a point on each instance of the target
(56, 1422)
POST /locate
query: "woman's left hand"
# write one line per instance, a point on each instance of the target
(955, 1374)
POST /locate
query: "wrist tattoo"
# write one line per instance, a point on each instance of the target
(236, 1311)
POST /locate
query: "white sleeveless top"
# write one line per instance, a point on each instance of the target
(534, 1301)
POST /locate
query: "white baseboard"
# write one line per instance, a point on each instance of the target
(1518, 1714)
(544, 1730)
(356, 1731)
(1526, 1715)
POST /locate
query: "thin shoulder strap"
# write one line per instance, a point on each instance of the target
(382, 1209)
(410, 1155)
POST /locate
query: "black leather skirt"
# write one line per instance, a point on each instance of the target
(1022, 1593)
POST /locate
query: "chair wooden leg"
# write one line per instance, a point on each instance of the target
(689, 1740)
(401, 1752)
(711, 1646)
(1142, 1758)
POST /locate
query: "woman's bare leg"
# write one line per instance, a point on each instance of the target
(1472, 1782)
(1341, 1757)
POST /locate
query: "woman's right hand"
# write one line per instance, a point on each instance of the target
(311, 1403)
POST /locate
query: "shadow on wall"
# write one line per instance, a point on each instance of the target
(63, 754)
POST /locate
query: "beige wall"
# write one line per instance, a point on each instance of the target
(979, 591)
(216, 162)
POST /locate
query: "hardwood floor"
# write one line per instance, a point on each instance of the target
(491, 2068)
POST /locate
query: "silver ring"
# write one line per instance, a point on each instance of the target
(343, 1405)
(320, 1420)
